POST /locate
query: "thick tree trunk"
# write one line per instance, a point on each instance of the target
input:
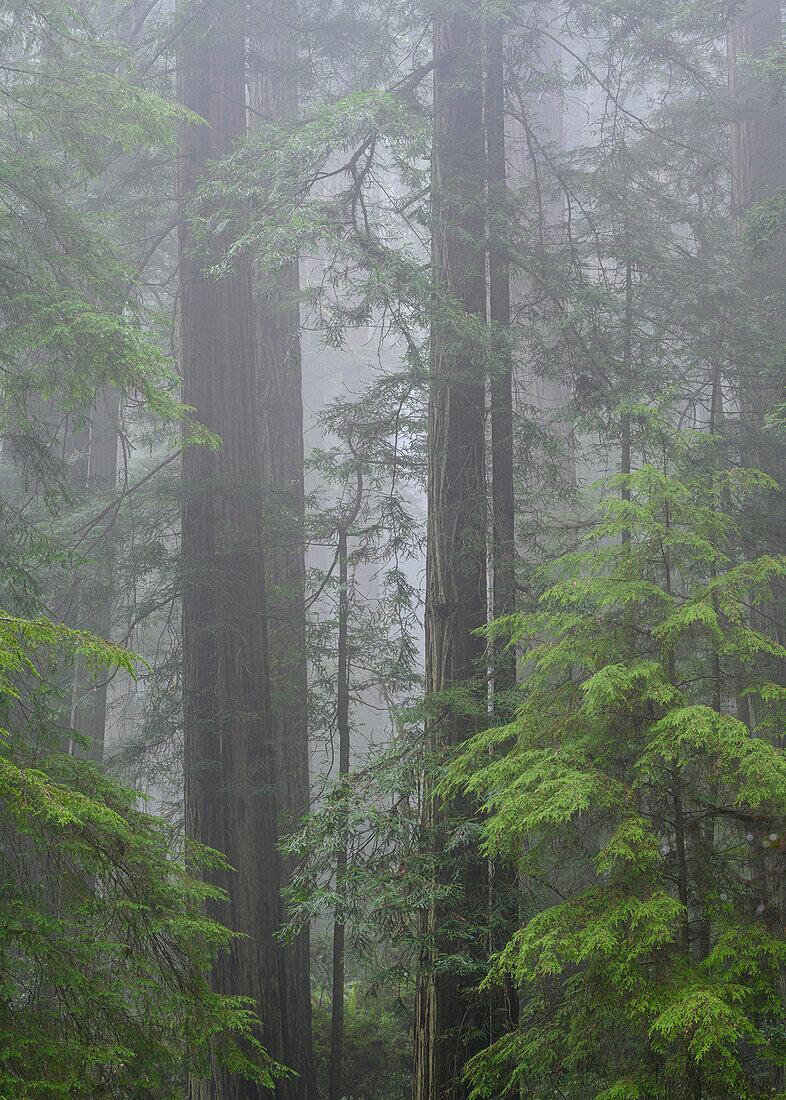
(228, 752)
(273, 88)
(758, 147)
(757, 144)
(447, 1027)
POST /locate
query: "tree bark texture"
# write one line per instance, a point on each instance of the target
(758, 147)
(757, 140)
(758, 171)
(273, 91)
(228, 751)
(447, 1024)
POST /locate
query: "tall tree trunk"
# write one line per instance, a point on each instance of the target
(101, 480)
(342, 724)
(447, 1028)
(503, 886)
(501, 384)
(757, 142)
(542, 119)
(87, 602)
(228, 752)
(758, 147)
(274, 92)
(627, 382)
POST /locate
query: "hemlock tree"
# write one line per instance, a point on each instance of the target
(74, 321)
(104, 944)
(632, 798)
(103, 443)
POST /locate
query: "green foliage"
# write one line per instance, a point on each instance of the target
(71, 315)
(377, 1054)
(388, 879)
(637, 802)
(105, 948)
(765, 221)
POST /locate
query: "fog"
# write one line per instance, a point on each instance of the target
(392, 647)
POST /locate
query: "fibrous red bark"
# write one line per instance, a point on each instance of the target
(445, 1025)
(229, 796)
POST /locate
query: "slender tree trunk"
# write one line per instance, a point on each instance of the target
(447, 1027)
(503, 886)
(342, 723)
(627, 355)
(545, 115)
(501, 383)
(87, 603)
(273, 88)
(228, 752)
(101, 479)
(68, 604)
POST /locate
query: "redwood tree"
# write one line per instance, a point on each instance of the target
(446, 1023)
(758, 144)
(274, 95)
(757, 132)
(229, 797)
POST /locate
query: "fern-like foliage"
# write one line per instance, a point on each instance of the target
(105, 947)
(644, 814)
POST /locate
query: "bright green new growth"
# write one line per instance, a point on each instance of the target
(643, 813)
(105, 947)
